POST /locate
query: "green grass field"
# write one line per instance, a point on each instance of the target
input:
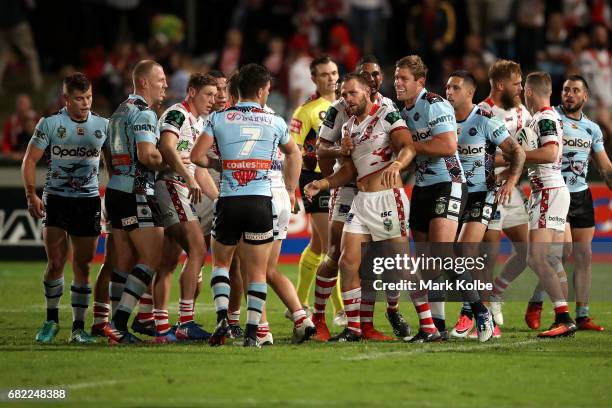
(517, 370)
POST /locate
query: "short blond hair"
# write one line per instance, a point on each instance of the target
(540, 83)
(142, 69)
(502, 70)
(415, 64)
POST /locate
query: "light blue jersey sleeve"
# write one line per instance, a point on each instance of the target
(283, 132)
(598, 143)
(496, 131)
(144, 127)
(441, 118)
(42, 133)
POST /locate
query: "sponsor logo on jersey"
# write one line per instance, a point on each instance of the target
(80, 131)
(62, 152)
(251, 164)
(442, 119)
(471, 150)
(420, 134)
(240, 117)
(98, 134)
(295, 126)
(472, 132)
(145, 127)
(330, 117)
(577, 142)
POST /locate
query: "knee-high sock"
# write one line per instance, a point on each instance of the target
(307, 269)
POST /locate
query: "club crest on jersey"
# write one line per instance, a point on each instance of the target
(61, 132)
(98, 134)
(416, 116)
(80, 131)
(388, 224)
(472, 132)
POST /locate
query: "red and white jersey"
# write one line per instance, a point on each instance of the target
(514, 118)
(547, 124)
(372, 150)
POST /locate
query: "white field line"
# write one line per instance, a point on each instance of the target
(442, 349)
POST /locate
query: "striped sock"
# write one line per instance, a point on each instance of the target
(499, 287)
(135, 286)
(79, 298)
(582, 312)
(307, 269)
(256, 300)
(162, 324)
(393, 301)
(263, 329)
(323, 289)
(185, 311)
(101, 311)
(115, 288)
(352, 305)
(220, 284)
(233, 318)
(298, 317)
(419, 300)
(366, 310)
(53, 293)
(145, 308)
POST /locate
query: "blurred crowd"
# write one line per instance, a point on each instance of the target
(105, 38)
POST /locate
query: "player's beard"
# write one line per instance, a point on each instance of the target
(509, 101)
(568, 108)
(360, 108)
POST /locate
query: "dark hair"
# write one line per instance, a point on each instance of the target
(578, 78)
(215, 73)
(363, 79)
(325, 59)
(251, 78)
(366, 59)
(415, 64)
(467, 77)
(232, 86)
(198, 80)
(76, 82)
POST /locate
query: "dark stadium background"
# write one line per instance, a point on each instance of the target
(105, 38)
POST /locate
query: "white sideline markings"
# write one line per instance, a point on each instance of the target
(433, 349)
(79, 386)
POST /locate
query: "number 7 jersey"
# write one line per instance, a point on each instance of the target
(247, 137)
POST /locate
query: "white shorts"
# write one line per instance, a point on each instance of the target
(174, 203)
(282, 210)
(205, 211)
(548, 208)
(381, 214)
(512, 214)
(340, 204)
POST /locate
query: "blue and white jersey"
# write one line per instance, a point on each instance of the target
(479, 135)
(247, 137)
(133, 122)
(580, 138)
(430, 116)
(74, 150)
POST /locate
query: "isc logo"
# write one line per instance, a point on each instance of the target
(385, 214)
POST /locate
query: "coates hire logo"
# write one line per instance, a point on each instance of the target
(470, 150)
(73, 152)
(240, 117)
(576, 142)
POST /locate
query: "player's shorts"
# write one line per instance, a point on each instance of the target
(382, 214)
(320, 202)
(581, 213)
(78, 216)
(512, 214)
(128, 211)
(174, 203)
(282, 207)
(548, 208)
(441, 200)
(480, 207)
(248, 217)
(205, 211)
(340, 205)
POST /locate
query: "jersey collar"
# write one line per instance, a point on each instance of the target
(546, 108)
(65, 112)
(136, 96)
(249, 104)
(562, 112)
(472, 112)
